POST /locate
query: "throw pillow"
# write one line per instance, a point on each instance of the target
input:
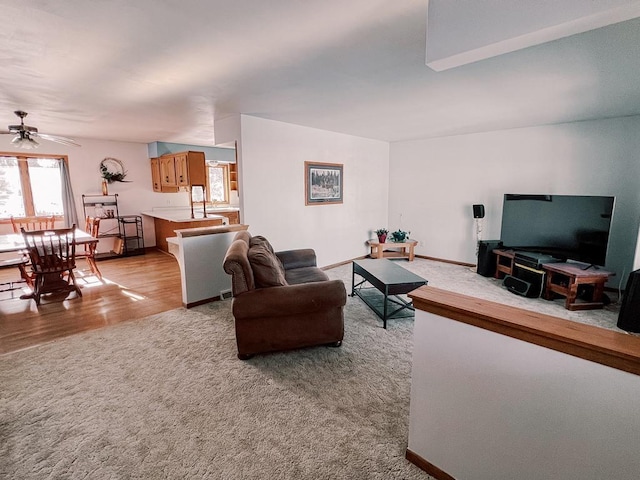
(267, 268)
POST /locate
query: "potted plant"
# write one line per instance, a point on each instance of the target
(399, 236)
(382, 234)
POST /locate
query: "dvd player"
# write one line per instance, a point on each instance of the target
(533, 259)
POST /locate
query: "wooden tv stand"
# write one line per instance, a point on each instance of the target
(504, 262)
(565, 278)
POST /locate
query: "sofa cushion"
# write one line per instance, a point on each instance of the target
(260, 240)
(297, 276)
(267, 269)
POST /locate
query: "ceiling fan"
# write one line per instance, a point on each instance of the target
(25, 135)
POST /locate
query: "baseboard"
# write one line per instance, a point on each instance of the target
(339, 264)
(201, 302)
(444, 260)
(435, 259)
(424, 465)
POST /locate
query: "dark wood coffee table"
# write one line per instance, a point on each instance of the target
(390, 280)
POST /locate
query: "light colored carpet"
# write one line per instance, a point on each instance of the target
(465, 280)
(166, 397)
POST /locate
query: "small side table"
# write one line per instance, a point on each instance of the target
(399, 249)
(565, 278)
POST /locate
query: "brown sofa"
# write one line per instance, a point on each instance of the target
(281, 300)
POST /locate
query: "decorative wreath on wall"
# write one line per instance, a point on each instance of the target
(112, 170)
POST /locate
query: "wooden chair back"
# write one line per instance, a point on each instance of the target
(92, 226)
(33, 223)
(51, 251)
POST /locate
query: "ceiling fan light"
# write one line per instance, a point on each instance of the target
(27, 143)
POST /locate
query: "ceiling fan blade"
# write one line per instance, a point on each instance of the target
(5, 132)
(57, 139)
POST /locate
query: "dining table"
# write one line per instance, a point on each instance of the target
(14, 242)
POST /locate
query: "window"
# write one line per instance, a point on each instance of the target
(217, 184)
(30, 186)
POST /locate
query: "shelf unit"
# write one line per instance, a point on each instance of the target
(233, 176)
(233, 173)
(126, 230)
(131, 234)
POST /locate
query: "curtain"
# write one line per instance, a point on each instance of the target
(68, 202)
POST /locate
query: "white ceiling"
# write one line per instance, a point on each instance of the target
(161, 70)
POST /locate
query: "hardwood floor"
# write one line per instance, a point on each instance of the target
(131, 288)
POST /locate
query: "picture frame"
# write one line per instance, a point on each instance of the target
(323, 183)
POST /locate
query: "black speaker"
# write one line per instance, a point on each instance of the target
(629, 316)
(478, 211)
(534, 277)
(517, 286)
(486, 257)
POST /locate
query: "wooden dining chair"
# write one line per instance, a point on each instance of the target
(92, 227)
(15, 260)
(29, 223)
(53, 258)
(33, 223)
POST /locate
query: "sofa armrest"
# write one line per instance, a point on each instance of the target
(290, 299)
(303, 257)
(236, 263)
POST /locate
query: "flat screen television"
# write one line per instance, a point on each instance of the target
(568, 227)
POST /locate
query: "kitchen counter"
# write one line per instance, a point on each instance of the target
(167, 220)
(184, 214)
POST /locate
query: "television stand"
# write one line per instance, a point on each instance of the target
(504, 262)
(565, 278)
(591, 265)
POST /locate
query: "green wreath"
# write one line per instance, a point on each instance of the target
(112, 170)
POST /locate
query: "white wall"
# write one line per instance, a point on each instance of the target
(203, 281)
(134, 196)
(272, 156)
(434, 183)
(428, 190)
(488, 406)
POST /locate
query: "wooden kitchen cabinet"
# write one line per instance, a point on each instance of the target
(178, 170)
(181, 163)
(233, 216)
(167, 228)
(155, 175)
(168, 172)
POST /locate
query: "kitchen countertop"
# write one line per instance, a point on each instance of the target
(184, 214)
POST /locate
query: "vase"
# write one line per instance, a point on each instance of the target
(105, 188)
(382, 237)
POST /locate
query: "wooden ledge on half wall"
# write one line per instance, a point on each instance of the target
(496, 388)
(607, 347)
(197, 231)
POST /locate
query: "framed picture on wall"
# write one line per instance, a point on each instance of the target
(323, 183)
